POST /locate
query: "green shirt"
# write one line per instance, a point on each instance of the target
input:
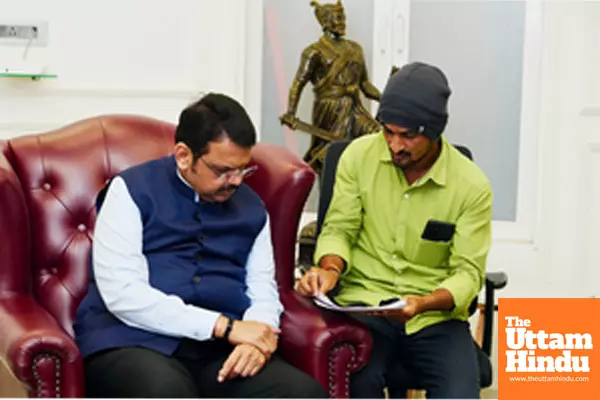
(375, 222)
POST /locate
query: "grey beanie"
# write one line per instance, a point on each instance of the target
(416, 97)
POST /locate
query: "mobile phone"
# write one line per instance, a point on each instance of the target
(438, 231)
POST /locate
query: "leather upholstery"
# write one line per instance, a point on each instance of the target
(48, 185)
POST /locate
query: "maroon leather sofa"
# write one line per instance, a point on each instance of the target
(48, 184)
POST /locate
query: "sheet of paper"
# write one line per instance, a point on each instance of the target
(325, 302)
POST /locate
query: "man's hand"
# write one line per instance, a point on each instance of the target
(289, 119)
(438, 300)
(414, 306)
(258, 334)
(317, 281)
(244, 361)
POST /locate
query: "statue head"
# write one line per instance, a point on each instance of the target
(331, 17)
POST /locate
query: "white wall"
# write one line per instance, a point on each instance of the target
(123, 56)
(479, 46)
(559, 258)
(569, 200)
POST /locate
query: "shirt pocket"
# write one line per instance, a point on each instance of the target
(432, 254)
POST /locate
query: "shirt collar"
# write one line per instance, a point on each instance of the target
(186, 183)
(436, 173)
(384, 150)
(439, 169)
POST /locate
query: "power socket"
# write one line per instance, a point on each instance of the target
(19, 31)
(24, 33)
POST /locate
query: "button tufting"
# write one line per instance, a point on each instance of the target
(81, 228)
(46, 186)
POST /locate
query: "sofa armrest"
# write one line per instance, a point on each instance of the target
(328, 346)
(38, 352)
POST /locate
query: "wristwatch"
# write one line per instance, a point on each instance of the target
(228, 328)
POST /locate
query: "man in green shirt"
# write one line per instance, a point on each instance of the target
(410, 217)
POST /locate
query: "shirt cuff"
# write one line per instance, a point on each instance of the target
(201, 324)
(462, 289)
(269, 317)
(332, 246)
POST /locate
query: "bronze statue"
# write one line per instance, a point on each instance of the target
(336, 67)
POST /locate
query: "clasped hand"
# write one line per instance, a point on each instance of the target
(244, 361)
(254, 342)
(258, 334)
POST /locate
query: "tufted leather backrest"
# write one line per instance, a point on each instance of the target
(62, 171)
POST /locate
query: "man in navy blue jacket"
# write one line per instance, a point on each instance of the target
(183, 300)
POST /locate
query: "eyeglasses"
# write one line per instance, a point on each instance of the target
(232, 173)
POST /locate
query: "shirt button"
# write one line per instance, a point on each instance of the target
(394, 256)
(197, 279)
(406, 195)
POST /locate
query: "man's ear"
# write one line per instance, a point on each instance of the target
(183, 156)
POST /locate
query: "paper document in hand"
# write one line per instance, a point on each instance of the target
(325, 302)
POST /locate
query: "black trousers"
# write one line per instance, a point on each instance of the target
(441, 359)
(136, 372)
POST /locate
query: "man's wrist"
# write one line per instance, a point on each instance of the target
(331, 260)
(220, 327)
(422, 303)
(333, 273)
(438, 300)
(332, 267)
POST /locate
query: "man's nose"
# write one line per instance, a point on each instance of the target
(236, 180)
(396, 143)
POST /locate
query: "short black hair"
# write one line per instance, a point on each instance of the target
(212, 117)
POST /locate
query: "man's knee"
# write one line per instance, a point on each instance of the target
(446, 361)
(458, 382)
(135, 373)
(165, 388)
(306, 388)
(300, 385)
(286, 381)
(146, 387)
(369, 380)
(142, 386)
(457, 389)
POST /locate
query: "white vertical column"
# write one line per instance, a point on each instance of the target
(390, 39)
